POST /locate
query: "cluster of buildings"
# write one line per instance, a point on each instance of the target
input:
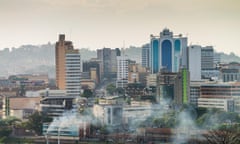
(190, 74)
(172, 73)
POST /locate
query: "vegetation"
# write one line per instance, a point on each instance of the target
(168, 120)
(120, 91)
(227, 134)
(213, 118)
(189, 116)
(111, 89)
(87, 93)
(6, 127)
(12, 140)
(36, 120)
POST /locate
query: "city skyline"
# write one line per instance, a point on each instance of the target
(96, 24)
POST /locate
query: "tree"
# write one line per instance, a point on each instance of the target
(111, 89)
(87, 93)
(223, 135)
(6, 127)
(214, 118)
(36, 120)
(120, 91)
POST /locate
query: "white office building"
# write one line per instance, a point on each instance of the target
(194, 62)
(222, 104)
(145, 55)
(122, 71)
(73, 73)
(109, 114)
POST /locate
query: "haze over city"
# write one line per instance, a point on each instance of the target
(105, 23)
(119, 71)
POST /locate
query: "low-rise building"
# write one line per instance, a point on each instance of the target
(215, 94)
(55, 102)
(194, 92)
(222, 104)
(227, 74)
(109, 114)
(20, 107)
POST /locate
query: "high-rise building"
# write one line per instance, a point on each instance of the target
(168, 51)
(137, 73)
(194, 62)
(145, 55)
(207, 58)
(93, 70)
(194, 92)
(60, 51)
(173, 87)
(208, 70)
(108, 57)
(73, 73)
(122, 71)
(68, 67)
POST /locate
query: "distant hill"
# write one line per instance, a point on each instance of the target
(227, 58)
(33, 59)
(134, 53)
(41, 58)
(25, 58)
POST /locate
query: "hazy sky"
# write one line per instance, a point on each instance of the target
(97, 23)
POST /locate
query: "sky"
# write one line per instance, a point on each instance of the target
(96, 24)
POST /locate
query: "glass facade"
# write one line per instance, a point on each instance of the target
(177, 49)
(166, 54)
(168, 51)
(155, 56)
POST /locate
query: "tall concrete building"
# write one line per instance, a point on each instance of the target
(122, 71)
(60, 51)
(168, 51)
(145, 55)
(68, 67)
(73, 73)
(207, 58)
(201, 63)
(208, 70)
(92, 68)
(108, 57)
(173, 87)
(137, 73)
(194, 62)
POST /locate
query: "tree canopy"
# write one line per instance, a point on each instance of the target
(36, 120)
(111, 89)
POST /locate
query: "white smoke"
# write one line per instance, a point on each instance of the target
(185, 127)
(71, 121)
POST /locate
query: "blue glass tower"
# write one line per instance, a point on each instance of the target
(166, 54)
(155, 55)
(177, 50)
(168, 51)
